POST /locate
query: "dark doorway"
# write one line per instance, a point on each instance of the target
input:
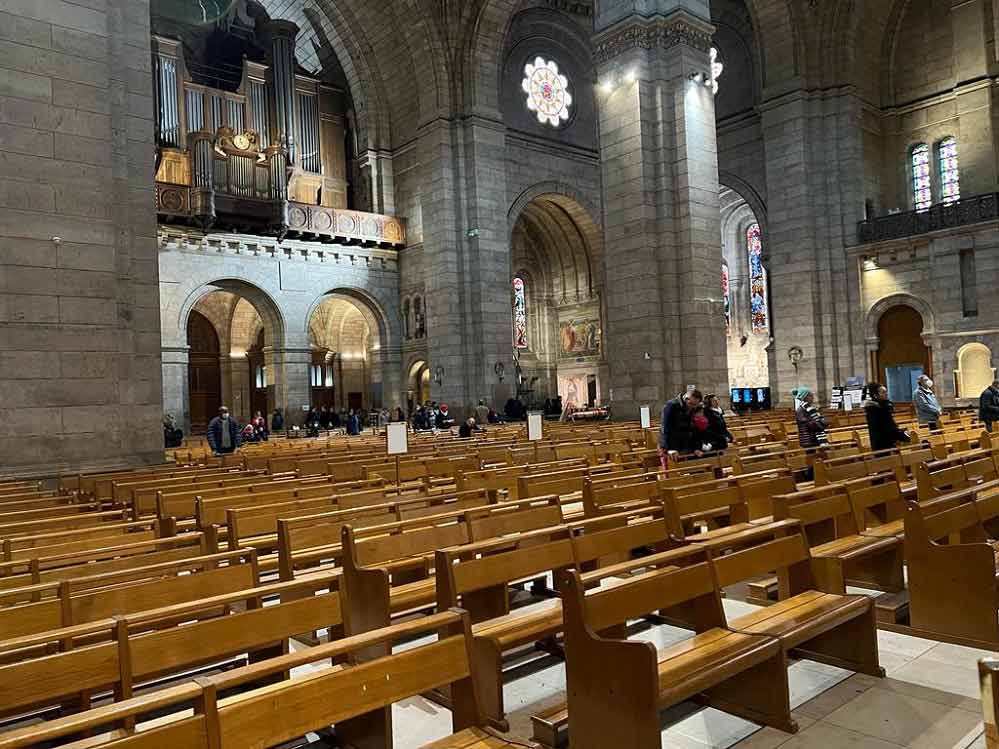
(204, 372)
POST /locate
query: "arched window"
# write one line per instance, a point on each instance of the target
(757, 280)
(418, 318)
(519, 315)
(950, 178)
(727, 299)
(922, 195)
(974, 370)
(407, 330)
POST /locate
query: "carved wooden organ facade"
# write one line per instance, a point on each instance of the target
(266, 158)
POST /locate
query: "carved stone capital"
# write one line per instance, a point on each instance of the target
(653, 33)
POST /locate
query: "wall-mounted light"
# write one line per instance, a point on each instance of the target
(631, 76)
(871, 263)
(607, 85)
(697, 77)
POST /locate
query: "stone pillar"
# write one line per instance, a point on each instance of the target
(231, 393)
(665, 318)
(79, 289)
(176, 385)
(288, 374)
(282, 36)
(466, 259)
(376, 168)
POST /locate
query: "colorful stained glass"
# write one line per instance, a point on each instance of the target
(922, 195)
(950, 178)
(727, 299)
(757, 281)
(547, 91)
(519, 315)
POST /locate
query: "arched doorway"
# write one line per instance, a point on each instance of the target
(204, 371)
(557, 314)
(346, 339)
(417, 385)
(901, 356)
(248, 325)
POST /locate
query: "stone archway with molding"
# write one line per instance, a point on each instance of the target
(929, 339)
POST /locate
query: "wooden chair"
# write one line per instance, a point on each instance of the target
(988, 676)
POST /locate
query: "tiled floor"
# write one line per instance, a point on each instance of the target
(928, 700)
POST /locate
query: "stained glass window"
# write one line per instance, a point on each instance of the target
(922, 196)
(757, 281)
(727, 299)
(547, 91)
(519, 315)
(950, 179)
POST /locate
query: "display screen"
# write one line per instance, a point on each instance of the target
(757, 399)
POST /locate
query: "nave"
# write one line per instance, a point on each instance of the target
(500, 591)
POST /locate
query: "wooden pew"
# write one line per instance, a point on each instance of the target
(123, 652)
(952, 575)
(988, 677)
(79, 539)
(617, 688)
(847, 557)
(478, 576)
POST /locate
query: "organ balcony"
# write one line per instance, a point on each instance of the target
(235, 160)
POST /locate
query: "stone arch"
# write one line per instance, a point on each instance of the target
(884, 304)
(262, 302)
(370, 309)
(970, 381)
(750, 195)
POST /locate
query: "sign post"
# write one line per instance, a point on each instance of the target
(645, 415)
(398, 444)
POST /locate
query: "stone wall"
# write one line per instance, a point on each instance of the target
(79, 312)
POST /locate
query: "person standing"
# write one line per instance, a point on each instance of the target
(717, 432)
(924, 400)
(885, 433)
(988, 405)
(223, 433)
(481, 412)
(811, 424)
(676, 430)
(277, 421)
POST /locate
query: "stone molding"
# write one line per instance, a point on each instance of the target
(174, 239)
(653, 33)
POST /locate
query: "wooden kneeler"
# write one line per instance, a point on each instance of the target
(616, 687)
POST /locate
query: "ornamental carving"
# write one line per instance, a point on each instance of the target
(172, 199)
(662, 34)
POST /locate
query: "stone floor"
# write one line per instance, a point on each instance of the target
(928, 700)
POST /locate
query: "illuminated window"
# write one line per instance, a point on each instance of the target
(922, 196)
(519, 315)
(757, 280)
(547, 92)
(950, 178)
(727, 299)
(260, 377)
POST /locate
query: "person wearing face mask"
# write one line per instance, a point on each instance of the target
(223, 433)
(927, 406)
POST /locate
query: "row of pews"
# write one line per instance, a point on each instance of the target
(296, 588)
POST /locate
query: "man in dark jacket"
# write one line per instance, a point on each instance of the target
(881, 425)
(223, 433)
(676, 430)
(988, 405)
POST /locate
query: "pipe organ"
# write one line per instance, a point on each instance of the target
(268, 157)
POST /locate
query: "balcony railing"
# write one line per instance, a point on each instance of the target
(966, 211)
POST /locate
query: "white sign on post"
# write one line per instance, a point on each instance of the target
(534, 426)
(847, 401)
(398, 438)
(645, 414)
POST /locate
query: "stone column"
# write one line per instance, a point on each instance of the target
(376, 168)
(466, 259)
(288, 375)
(176, 384)
(80, 338)
(665, 318)
(231, 393)
(282, 37)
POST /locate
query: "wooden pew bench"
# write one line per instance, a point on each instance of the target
(229, 715)
(616, 688)
(78, 539)
(827, 517)
(478, 576)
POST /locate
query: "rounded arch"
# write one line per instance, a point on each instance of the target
(262, 302)
(373, 312)
(750, 195)
(878, 309)
(974, 370)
